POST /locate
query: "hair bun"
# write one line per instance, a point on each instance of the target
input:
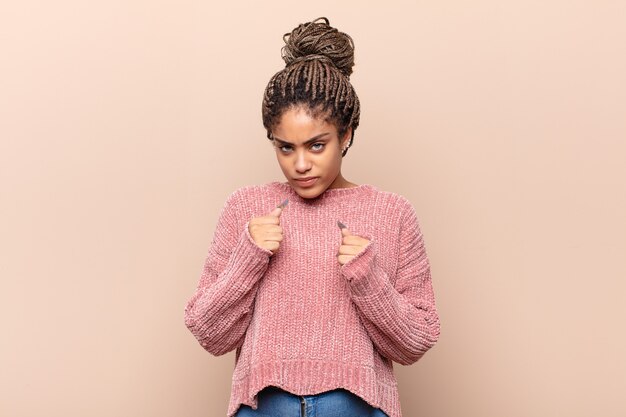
(318, 40)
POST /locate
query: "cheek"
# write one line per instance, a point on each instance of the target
(284, 163)
(281, 161)
(330, 164)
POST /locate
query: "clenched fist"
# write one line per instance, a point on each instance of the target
(266, 230)
(351, 244)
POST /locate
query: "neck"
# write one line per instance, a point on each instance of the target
(341, 182)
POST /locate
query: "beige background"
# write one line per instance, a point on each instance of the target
(125, 125)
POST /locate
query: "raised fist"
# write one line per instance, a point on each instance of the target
(266, 230)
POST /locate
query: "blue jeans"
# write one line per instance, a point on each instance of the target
(274, 402)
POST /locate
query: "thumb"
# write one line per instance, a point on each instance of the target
(279, 208)
(344, 229)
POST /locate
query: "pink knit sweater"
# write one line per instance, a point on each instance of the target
(299, 319)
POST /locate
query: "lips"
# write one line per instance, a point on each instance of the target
(306, 182)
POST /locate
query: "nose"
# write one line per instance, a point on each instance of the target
(302, 163)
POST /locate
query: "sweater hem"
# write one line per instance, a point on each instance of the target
(310, 377)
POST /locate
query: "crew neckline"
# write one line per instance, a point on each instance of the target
(328, 194)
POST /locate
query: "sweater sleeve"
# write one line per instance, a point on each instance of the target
(400, 318)
(220, 310)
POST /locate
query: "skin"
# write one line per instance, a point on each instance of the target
(297, 159)
(322, 158)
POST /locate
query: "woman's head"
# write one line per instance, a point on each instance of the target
(319, 62)
(310, 110)
(309, 147)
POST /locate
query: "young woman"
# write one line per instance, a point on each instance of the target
(318, 283)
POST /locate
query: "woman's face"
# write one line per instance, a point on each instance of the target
(308, 147)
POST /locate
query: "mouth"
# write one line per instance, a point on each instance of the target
(306, 182)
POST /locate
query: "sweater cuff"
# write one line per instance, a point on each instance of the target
(362, 272)
(247, 262)
(250, 240)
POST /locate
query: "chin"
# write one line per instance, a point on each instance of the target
(309, 192)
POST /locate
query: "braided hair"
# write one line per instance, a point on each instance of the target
(319, 61)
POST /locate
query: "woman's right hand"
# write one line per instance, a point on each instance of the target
(266, 230)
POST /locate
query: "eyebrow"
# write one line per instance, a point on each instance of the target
(313, 139)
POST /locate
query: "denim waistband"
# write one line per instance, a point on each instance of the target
(276, 402)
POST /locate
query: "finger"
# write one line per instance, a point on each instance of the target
(274, 237)
(344, 229)
(273, 246)
(275, 228)
(343, 259)
(349, 250)
(283, 204)
(269, 219)
(354, 240)
(276, 212)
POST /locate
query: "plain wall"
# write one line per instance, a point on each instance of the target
(124, 125)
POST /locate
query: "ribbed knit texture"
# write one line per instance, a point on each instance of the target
(299, 319)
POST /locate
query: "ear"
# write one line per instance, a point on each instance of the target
(346, 138)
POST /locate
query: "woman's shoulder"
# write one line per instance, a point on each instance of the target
(247, 191)
(255, 199)
(391, 199)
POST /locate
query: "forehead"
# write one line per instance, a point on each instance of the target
(297, 125)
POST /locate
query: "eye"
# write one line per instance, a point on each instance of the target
(316, 147)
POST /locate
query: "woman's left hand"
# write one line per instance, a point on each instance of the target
(351, 245)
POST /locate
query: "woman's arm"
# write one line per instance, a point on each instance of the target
(401, 319)
(219, 312)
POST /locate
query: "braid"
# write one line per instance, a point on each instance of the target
(319, 61)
